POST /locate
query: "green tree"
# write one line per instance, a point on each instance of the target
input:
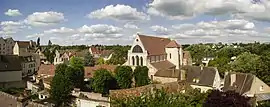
(89, 59)
(61, 88)
(222, 64)
(161, 98)
(141, 76)
(60, 69)
(101, 81)
(76, 71)
(100, 61)
(50, 54)
(124, 76)
(49, 43)
(246, 63)
(119, 55)
(38, 41)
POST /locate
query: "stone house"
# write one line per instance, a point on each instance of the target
(28, 65)
(6, 46)
(10, 71)
(247, 84)
(61, 57)
(158, 54)
(97, 52)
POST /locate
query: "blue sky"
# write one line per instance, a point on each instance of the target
(67, 22)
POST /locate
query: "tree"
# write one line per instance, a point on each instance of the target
(124, 76)
(101, 81)
(60, 69)
(222, 64)
(100, 61)
(141, 76)
(76, 71)
(49, 43)
(119, 55)
(50, 54)
(38, 41)
(75, 75)
(226, 99)
(161, 98)
(89, 59)
(246, 63)
(61, 88)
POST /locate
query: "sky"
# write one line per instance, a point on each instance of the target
(87, 22)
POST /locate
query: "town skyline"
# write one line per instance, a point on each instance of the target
(117, 21)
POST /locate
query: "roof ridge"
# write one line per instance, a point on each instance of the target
(152, 36)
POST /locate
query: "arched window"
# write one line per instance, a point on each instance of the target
(141, 61)
(137, 60)
(137, 49)
(133, 60)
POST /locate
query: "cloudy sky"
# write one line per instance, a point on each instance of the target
(68, 22)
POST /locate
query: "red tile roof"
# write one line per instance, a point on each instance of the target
(95, 50)
(151, 43)
(173, 44)
(46, 69)
(88, 71)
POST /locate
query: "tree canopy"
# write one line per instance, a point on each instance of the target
(123, 75)
(141, 76)
(89, 59)
(101, 81)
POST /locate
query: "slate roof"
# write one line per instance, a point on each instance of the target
(154, 45)
(23, 44)
(161, 65)
(10, 63)
(204, 75)
(239, 82)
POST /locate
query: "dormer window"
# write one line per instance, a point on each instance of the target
(261, 88)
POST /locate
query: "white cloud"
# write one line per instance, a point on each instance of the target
(45, 18)
(130, 26)
(160, 29)
(181, 9)
(11, 27)
(62, 30)
(13, 12)
(35, 35)
(100, 28)
(119, 12)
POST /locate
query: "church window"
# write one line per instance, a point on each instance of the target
(170, 56)
(133, 60)
(141, 61)
(137, 60)
(137, 49)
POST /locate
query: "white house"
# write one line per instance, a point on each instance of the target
(61, 58)
(6, 46)
(158, 54)
(24, 48)
(246, 84)
(10, 71)
(28, 65)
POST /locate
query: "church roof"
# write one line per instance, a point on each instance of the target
(154, 45)
(173, 44)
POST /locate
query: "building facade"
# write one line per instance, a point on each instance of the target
(158, 54)
(6, 46)
(28, 65)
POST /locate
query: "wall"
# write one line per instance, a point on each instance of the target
(89, 103)
(203, 88)
(217, 80)
(27, 67)
(175, 56)
(8, 76)
(16, 49)
(164, 79)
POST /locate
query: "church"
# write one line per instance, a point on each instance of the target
(162, 56)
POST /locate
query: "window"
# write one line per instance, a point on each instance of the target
(141, 61)
(137, 60)
(261, 88)
(137, 49)
(133, 60)
(170, 56)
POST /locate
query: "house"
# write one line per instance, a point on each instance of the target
(88, 99)
(247, 84)
(28, 65)
(158, 54)
(61, 57)
(43, 58)
(203, 78)
(27, 48)
(24, 48)
(206, 60)
(98, 52)
(10, 71)
(6, 46)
